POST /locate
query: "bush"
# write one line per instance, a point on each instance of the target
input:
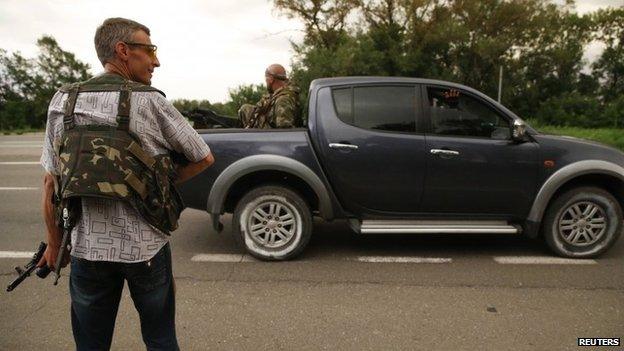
(572, 109)
(614, 112)
(14, 115)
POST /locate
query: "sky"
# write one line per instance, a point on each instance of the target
(204, 47)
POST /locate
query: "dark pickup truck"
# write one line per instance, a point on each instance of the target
(407, 155)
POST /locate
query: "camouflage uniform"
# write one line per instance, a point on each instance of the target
(277, 110)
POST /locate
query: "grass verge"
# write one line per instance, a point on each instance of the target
(610, 136)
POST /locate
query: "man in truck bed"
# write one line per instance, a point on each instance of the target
(277, 109)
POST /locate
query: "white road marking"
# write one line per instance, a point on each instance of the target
(540, 260)
(544, 260)
(18, 188)
(388, 259)
(20, 141)
(224, 258)
(16, 254)
(22, 145)
(20, 163)
(237, 258)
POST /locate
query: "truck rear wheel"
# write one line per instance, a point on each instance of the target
(583, 222)
(272, 223)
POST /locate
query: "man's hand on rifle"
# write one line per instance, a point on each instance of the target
(54, 232)
(50, 254)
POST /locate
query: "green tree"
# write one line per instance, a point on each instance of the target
(57, 66)
(571, 109)
(538, 44)
(325, 20)
(245, 94)
(28, 84)
(550, 64)
(186, 105)
(609, 68)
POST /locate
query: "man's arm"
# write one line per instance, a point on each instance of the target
(181, 138)
(53, 232)
(194, 168)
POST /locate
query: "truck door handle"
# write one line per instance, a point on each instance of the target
(444, 152)
(343, 146)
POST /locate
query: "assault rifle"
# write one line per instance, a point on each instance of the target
(207, 119)
(24, 272)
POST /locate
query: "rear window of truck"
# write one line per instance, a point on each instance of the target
(389, 108)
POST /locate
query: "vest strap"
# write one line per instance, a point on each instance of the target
(105, 82)
(123, 110)
(70, 105)
(138, 185)
(93, 87)
(139, 153)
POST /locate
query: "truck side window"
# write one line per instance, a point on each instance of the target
(389, 108)
(455, 113)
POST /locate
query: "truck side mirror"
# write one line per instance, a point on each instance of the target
(518, 133)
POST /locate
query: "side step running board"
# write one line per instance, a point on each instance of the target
(433, 227)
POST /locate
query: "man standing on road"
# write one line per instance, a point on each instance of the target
(277, 109)
(112, 240)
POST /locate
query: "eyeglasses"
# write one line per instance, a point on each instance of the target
(149, 48)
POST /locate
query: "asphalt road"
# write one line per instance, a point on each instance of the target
(458, 295)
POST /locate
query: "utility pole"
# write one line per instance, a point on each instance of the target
(500, 83)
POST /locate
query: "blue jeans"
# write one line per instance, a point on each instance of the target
(95, 289)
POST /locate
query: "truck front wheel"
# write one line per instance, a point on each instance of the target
(583, 222)
(272, 223)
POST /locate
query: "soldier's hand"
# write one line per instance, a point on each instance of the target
(50, 255)
(452, 97)
(451, 94)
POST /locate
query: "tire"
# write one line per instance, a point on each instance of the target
(583, 222)
(271, 239)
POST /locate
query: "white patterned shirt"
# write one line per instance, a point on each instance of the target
(112, 230)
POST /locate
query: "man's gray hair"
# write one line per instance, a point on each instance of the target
(112, 31)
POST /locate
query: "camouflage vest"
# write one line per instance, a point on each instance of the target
(108, 161)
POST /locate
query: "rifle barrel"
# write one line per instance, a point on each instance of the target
(24, 272)
(20, 279)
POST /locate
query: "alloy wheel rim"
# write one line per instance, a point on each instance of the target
(272, 224)
(582, 223)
